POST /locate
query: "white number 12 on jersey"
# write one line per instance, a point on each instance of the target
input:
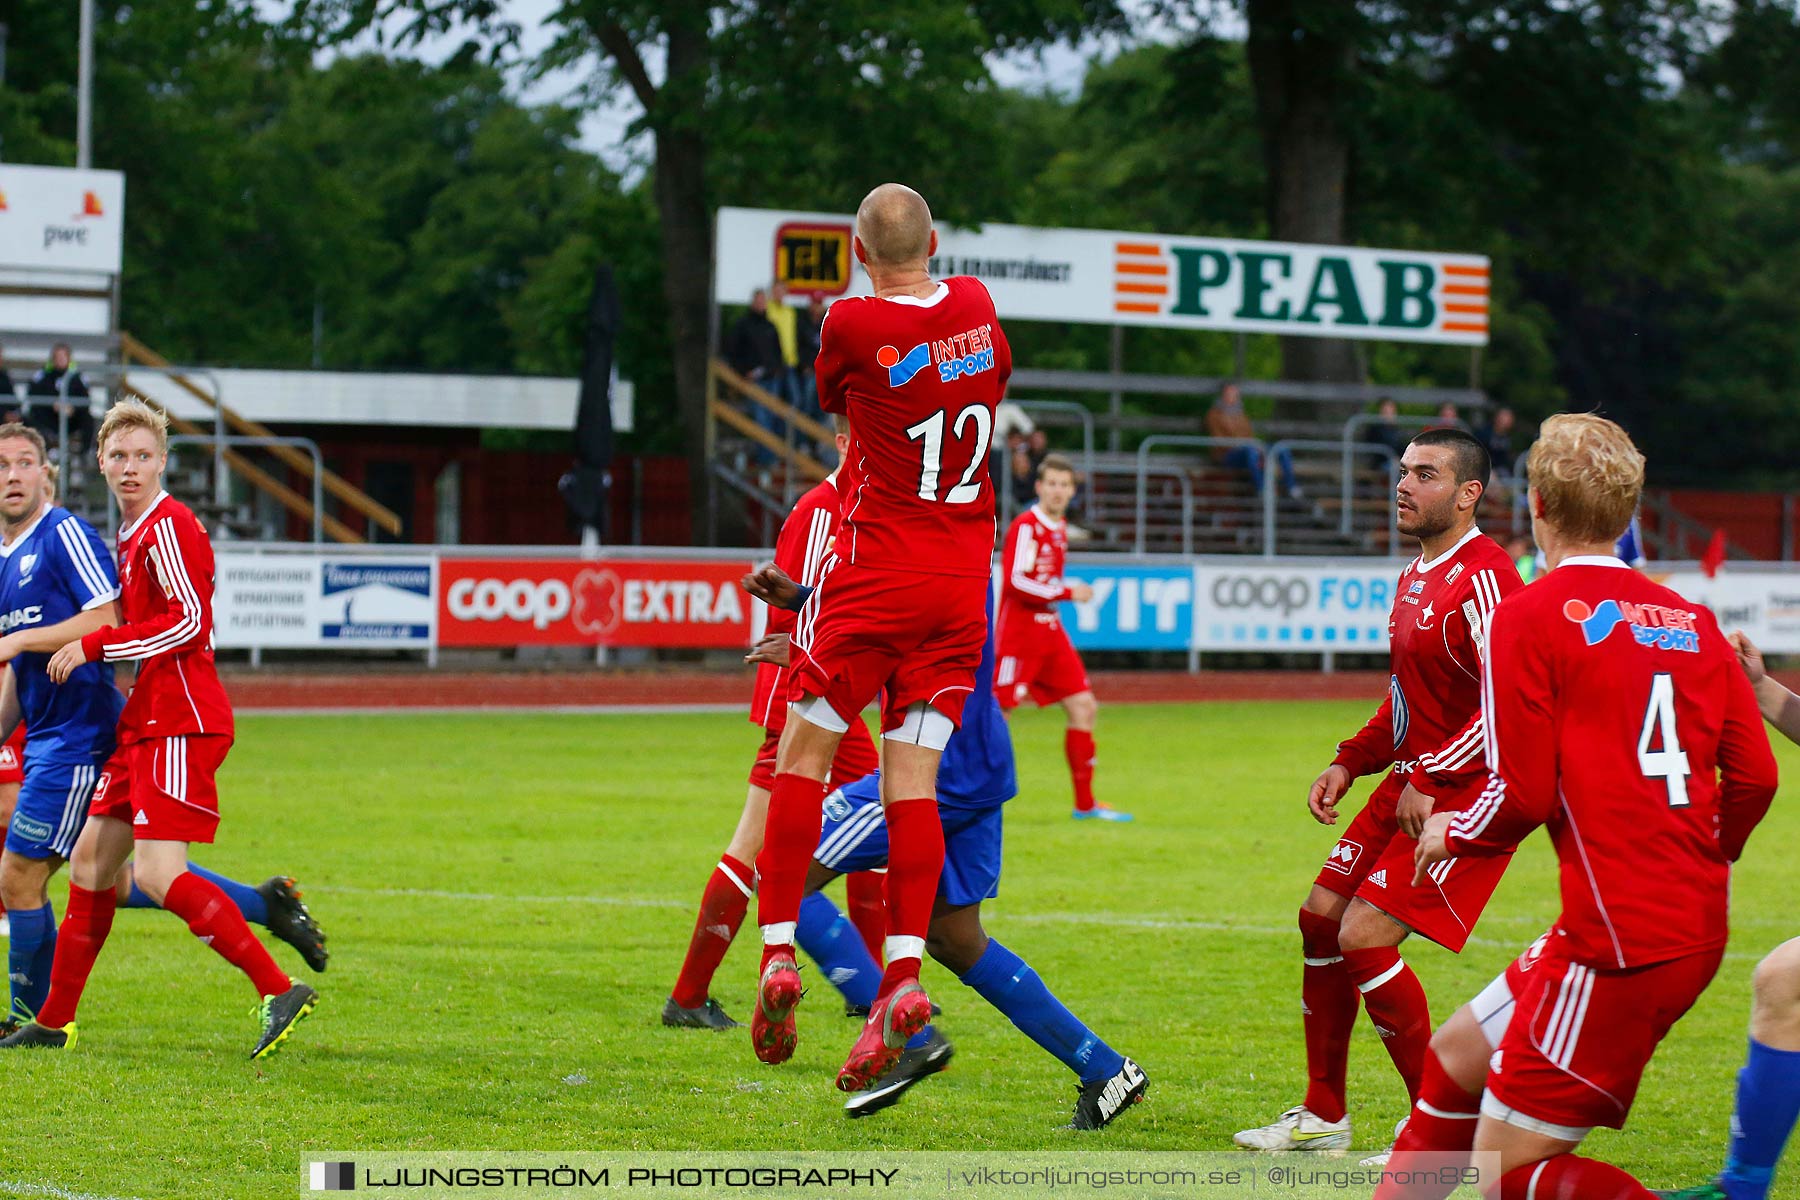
(1670, 764)
(931, 432)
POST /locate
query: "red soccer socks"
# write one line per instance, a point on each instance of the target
(915, 860)
(215, 920)
(1396, 1003)
(1328, 1010)
(1078, 748)
(722, 908)
(84, 929)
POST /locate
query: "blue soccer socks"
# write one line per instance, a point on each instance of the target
(1768, 1103)
(832, 942)
(28, 958)
(1007, 982)
(249, 901)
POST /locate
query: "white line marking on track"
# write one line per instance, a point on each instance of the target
(14, 1187)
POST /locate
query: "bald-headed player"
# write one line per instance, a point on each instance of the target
(901, 606)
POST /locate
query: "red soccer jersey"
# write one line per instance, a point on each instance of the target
(1036, 550)
(800, 550)
(1619, 717)
(919, 380)
(1429, 729)
(165, 598)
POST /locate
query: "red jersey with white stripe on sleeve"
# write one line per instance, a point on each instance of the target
(1618, 716)
(166, 599)
(1036, 550)
(800, 549)
(1430, 728)
(919, 380)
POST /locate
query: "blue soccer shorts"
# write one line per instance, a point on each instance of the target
(53, 805)
(855, 838)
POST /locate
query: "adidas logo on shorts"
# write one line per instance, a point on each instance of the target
(1379, 878)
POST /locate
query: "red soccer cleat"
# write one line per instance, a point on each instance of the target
(891, 1024)
(772, 1031)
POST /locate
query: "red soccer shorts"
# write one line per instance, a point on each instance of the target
(165, 788)
(1580, 1038)
(917, 636)
(856, 757)
(1036, 658)
(1364, 842)
(12, 757)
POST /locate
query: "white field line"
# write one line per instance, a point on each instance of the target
(15, 1187)
(1107, 920)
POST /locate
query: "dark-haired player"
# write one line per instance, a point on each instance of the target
(1427, 740)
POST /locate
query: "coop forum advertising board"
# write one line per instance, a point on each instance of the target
(1111, 277)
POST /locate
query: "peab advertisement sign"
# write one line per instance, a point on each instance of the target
(519, 601)
(1108, 277)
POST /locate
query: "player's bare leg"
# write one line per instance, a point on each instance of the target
(791, 834)
(161, 868)
(722, 908)
(104, 845)
(909, 763)
(9, 800)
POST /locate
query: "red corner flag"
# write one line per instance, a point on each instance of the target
(1714, 558)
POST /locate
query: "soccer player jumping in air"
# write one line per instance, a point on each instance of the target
(1620, 719)
(1426, 738)
(1036, 656)
(158, 791)
(901, 607)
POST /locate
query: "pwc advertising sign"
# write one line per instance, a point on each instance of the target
(524, 601)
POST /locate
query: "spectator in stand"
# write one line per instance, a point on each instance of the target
(785, 382)
(10, 409)
(1447, 418)
(1496, 435)
(1227, 419)
(810, 326)
(753, 349)
(60, 381)
(1028, 450)
(1386, 431)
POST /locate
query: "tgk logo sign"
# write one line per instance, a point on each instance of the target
(488, 602)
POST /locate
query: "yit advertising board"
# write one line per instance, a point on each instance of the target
(1109, 277)
(522, 601)
(277, 601)
(1243, 604)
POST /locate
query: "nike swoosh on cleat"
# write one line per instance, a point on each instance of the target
(1313, 1137)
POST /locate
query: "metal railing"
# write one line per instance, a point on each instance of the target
(1355, 425)
(1292, 444)
(219, 442)
(1187, 503)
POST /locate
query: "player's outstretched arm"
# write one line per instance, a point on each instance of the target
(1779, 706)
(774, 649)
(47, 639)
(1747, 772)
(10, 713)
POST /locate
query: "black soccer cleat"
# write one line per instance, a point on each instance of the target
(32, 1036)
(912, 1066)
(279, 1015)
(290, 921)
(1097, 1103)
(706, 1016)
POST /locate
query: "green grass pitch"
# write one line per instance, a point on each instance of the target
(508, 899)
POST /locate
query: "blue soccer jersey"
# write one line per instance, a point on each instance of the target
(57, 568)
(977, 767)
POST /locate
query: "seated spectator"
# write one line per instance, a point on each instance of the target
(1446, 417)
(1496, 435)
(753, 350)
(1028, 450)
(1227, 419)
(1386, 431)
(810, 327)
(59, 381)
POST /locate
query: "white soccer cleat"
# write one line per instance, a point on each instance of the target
(1298, 1129)
(5, 926)
(1381, 1160)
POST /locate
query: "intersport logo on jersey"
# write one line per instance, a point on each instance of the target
(513, 602)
